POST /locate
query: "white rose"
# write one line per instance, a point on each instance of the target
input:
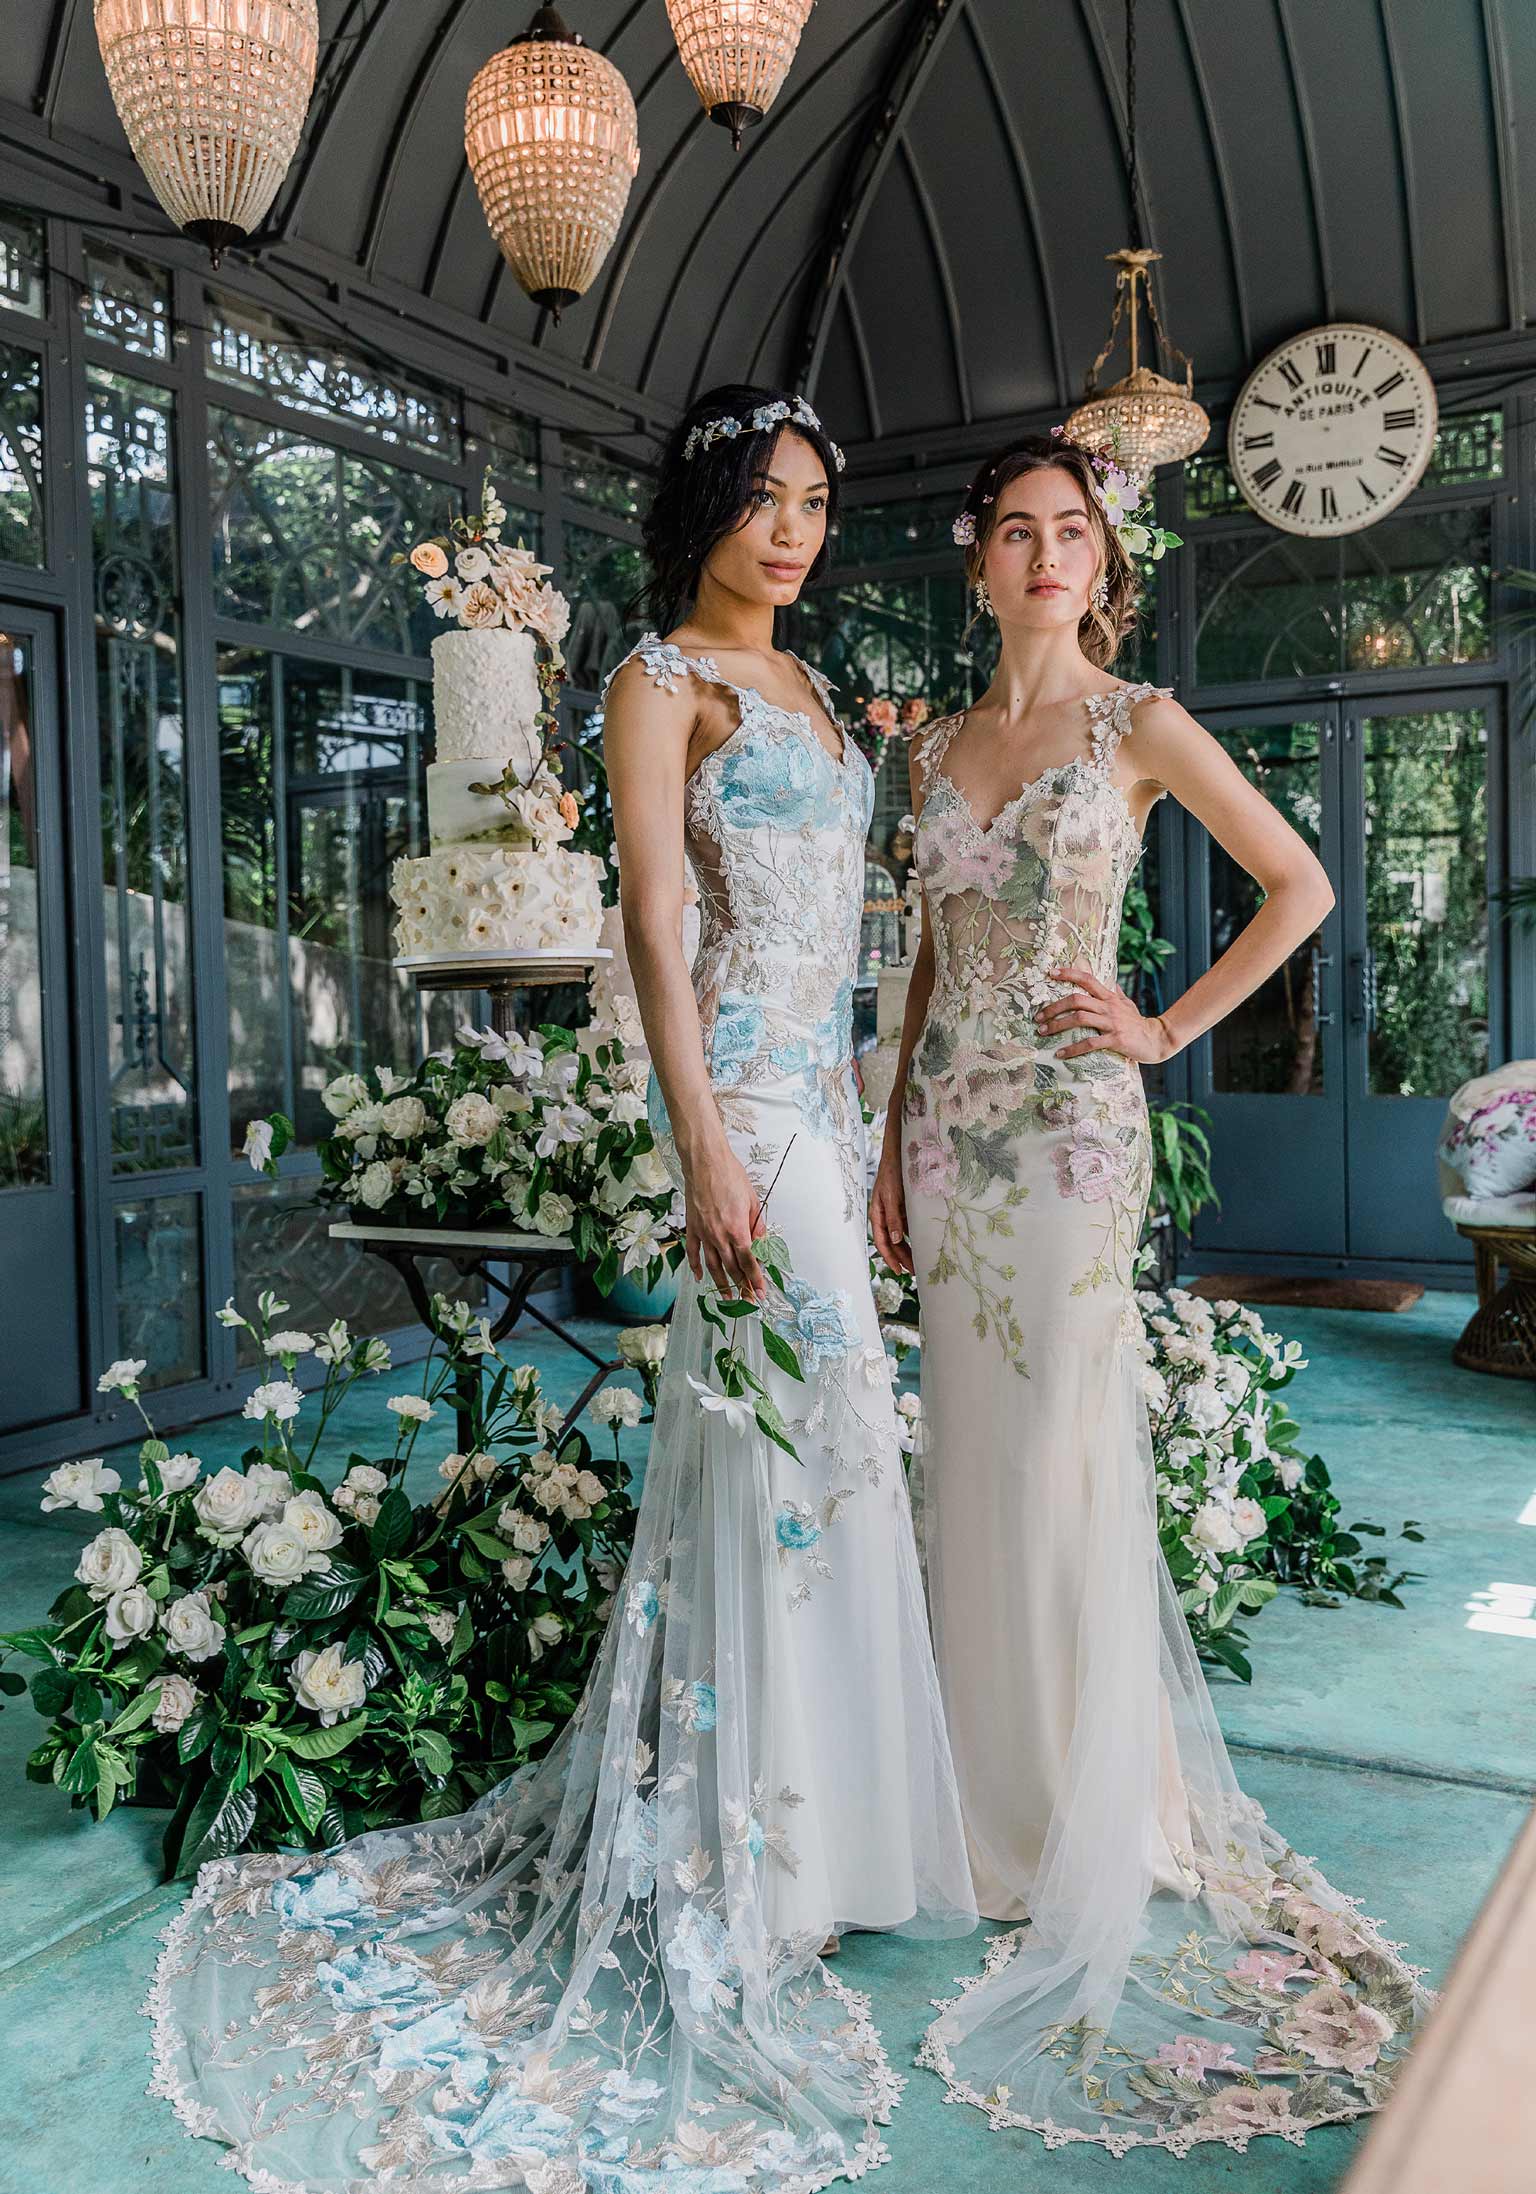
(652, 1175)
(1248, 1517)
(362, 1483)
(178, 1696)
(279, 1399)
(405, 1118)
(225, 1505)
(177, 1472)
(543, 1631)
(79, 1485)
(191, 1629)
(517, 1569)
(307, 1514)
(111, 1563)
(554, 1215)
(1212, 1526)
(289, 1344)
(471, 564)
(130, 1615)
(590, 1487)
(416, 1407)
(1204, 1405)
(642, 1344)
(122, 1376)
(327, 1685)
(471, 1119)
(270, 1488)
(339, 1096)
(442, 1623)
(375, 1185)
(278, 1555)
(527, 1533)
(888, 1297)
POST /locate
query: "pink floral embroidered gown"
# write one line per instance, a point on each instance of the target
(1183, 1976)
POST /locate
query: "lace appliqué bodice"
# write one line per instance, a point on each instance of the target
(1039, 886)
(774, 828)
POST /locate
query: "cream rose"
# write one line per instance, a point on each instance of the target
(327, 1685)
(190, 1626)
(226, 1505)
(178, 1695)
(639, 1345)
(130, 1615)
(79, 1485)
(109, 1564)
(471, 1119)
(307, 1514)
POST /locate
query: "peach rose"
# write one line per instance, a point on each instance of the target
(481, 606)
(881, 715)
(914, 712)
(569, 808)
(429, 558)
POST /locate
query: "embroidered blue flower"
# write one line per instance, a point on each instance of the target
(819, 1325)
(637, 1839)
(704, 1709)
(701, 1949)
(770, 780)
(489, 2129)
(324, 1899)
(365, 1980)
(736, 1039)
(796, 1528)
(643, 1605)
(439, 2041)
(757, 1842)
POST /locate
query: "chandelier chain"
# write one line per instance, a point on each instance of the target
(1131, 172)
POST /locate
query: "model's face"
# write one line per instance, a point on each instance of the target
(1042, 558)
(768, 556)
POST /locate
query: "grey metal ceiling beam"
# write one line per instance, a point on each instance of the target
(1309, 158)
(932, 20)
(1404, 168)
(431, 61)
(54, 58)
(945, 279)
(1223, 177)
(864, 362)
(1506, 152)
(1020, 159)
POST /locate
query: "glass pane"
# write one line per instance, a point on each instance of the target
(507, 442)
(304, 537)
(1413, 590)
(23, 263)
(282, 1241)
(127, 301)
(1425, 977)
(321, 774)
(160, 1287)
(24, 1155)
(885, 533)
(1271, 1043)
(897, 637)
(255, 349)
(598, 578)
(21, 456)
(605, 478)
(129, 450)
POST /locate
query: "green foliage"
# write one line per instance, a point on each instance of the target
(1181, 1162)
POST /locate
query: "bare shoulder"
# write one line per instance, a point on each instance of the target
(640, 701)
(1157, 718)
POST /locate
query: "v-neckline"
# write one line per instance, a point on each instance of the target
(1032, 784)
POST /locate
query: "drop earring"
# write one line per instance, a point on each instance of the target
(1100, 594)
(983, 598)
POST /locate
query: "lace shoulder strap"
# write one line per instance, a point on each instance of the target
(1109, 718)
(822, 686)
(665, 662)
(932, 743)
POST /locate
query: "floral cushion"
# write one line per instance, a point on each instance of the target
(1494, 1148)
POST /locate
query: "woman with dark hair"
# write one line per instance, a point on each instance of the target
(607, 1976)
(1181, 1975)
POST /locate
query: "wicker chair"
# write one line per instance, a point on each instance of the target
(1500, 1336)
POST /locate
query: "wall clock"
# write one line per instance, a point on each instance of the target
(1333, 429)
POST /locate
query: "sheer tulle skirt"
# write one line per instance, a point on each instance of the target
(605, 1974)
(1182, 1974)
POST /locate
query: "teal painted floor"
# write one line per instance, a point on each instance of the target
(1398, 1749)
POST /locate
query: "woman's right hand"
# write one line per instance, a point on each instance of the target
(888, 1212)
(724, 1220)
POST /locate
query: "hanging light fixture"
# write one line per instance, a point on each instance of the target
(553, 146)
(1145, 420)
(737, 54)
(212, 95)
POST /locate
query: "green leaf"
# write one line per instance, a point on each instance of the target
(390, 1531)
(463, 1637)
(78, 1772)
(432, 1751)
(52, 1689)
(135, 1713)
(778, 1351)
(220, 1822)
(304, 1791)
(314, 1598)
(773, 1426)
(324, 1744)
(197, 1732)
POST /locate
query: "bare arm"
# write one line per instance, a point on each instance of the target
(646, 735)
(1173, 750)
(888, 1205)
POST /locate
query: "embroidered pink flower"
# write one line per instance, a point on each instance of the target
(1269, 1968)
(1329, 1934)
(1245, 2110)
(1336, 2031)
(985, 867)
(932, 1166)
(1091, 1166)
(1194, 2058)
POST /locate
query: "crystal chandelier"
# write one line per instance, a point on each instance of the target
(1145, 420)
(212, 96)
(737, 54)
(553, 146)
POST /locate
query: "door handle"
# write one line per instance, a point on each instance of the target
(1320, 960)
(1367, 990)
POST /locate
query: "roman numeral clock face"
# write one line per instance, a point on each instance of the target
(1333, 429)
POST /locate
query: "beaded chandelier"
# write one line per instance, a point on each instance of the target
(1145, 420)
(553, 146)
(212, 96)
(737, 54)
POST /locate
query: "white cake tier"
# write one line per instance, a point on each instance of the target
(458, 817)
(497, 899)
(486, 699)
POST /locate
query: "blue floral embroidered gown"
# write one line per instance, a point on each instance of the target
(604, 1978)
(1182, 1975)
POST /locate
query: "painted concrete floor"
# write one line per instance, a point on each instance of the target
(1398, 1749)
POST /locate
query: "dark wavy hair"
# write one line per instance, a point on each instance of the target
(1102, 632)
(702, 498)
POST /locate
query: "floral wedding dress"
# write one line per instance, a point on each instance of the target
(1183, 1975)
(604, 1978)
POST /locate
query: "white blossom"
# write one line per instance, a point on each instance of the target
(416, 1407)
(190, 1626)
(110, 1563)
(327, 1685)
(80, 1485)
(130, 1615)
(122, 1377)
(278, 1400)
(617, 1405)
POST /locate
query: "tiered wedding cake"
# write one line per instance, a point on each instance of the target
(499, 878)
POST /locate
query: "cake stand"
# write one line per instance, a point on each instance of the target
(501, 974)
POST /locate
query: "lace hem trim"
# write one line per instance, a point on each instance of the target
(165, 2084)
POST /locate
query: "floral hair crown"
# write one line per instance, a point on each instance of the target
(765, 416)
(1124, 500)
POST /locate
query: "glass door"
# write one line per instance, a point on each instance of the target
(1272, 1076)
(1420, 999)
(38, 1252)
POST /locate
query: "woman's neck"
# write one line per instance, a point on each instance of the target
(1038, 670)
(720, 618)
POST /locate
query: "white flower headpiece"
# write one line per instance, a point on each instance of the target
(765, 416)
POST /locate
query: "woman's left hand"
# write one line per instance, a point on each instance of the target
(1107, 1018)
